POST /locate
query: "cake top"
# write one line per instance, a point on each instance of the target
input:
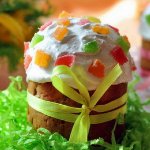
(145, 23)
(91, 49)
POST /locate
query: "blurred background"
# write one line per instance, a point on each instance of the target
(19, 19)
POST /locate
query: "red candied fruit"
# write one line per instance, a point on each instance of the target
(45, 25)
(27, 61)
(67, 60)
(133, 68)
(97, 69)
(114, 28)
(26, 46)
(119, 55)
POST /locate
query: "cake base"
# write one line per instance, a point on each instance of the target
(47, 92)
(145, 55)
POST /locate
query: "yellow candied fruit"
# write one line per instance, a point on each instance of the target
(60, 33)
(100, 29)
(42, 59)
(93, 19)
(64, 14)
(64, 22)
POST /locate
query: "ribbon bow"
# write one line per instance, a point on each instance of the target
(81, 116)
(81, 126)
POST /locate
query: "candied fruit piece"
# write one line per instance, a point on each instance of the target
(64, 14)
(114, 28)
(119, 55)
(26, 46)
(83, 22)
(93, 19)
(42, 59)
(100, 29)
(126, 39)
(45, 25)
(36, 39)
(133, 68)
(27, 61)
(91, 47)
(64, 22)
(97, 68)
(147, 17)
(123, 43)
(67, 60)
(60, 33)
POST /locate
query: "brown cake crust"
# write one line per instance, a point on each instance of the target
(145, 63)
(47, 92)
(146, 44)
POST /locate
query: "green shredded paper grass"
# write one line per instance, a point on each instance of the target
(17, 134)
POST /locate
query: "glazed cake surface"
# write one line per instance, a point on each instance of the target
(74, 39)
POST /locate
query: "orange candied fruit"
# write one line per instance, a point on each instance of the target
(100, 29)
(97, 69)
(42, 59)
(60, 33)
(64, 14)
(126, 39)
(64, 22)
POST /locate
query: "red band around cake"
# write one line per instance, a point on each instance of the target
(144, 72)
(145, 53)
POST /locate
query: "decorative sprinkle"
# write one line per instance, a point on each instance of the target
(133, 68)
(26, 46)
(36, 39)
(67, 60)
(83, 22)
(93, 19)
(97, 69)
(114, 28)
(42, 59)
(60, 33)
(45, 25)
(64, 22)
(64, 14)
(147, 17)
(27, 61)
(123, 42)
(118, 55)
(91, 47)
(100, 29)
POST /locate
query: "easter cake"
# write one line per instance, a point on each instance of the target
(145, 46)
(77, 71)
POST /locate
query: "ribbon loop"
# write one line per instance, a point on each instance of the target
(67, 71)
(106, 83)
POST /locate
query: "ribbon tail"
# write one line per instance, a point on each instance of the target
(80, 130)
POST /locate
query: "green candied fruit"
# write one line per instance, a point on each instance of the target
(147, 17)
(123, 44)
(91, 47)
(36, 39)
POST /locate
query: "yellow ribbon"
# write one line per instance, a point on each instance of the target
(70, 114)
(81, 116)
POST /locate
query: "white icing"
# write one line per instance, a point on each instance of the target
(144, 26)
(72, 44)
